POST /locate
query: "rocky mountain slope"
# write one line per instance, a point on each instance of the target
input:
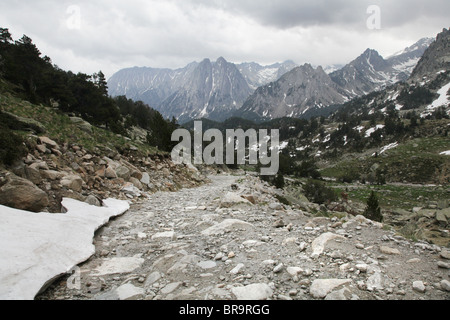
(233, 240)
(367, 73)
(150, 85)
(257, 75)
(405, 61)
(299, 90)
(213, 90)
(436, 58)
(423, 92)
(65, 156)
(205, 89)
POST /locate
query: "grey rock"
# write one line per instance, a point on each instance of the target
(231, 199)
(22, 194)
(258, 291)
(22, 123)
(419, 286)
(82, 124)
(320, 288)
(443, 265)
(93, 201)
(129, 292)
(207, 264)
(318, 245)
(445, 285)
(339, 295)
(145, 178)
(171, 287)
(72, 182)
(227, 225)
(388, 250)
(278, 268)
(237, 269)
(123, 172)
(445, 254)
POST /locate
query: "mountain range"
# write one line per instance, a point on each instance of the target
(219, 89)
(304, 88)
(212, 89)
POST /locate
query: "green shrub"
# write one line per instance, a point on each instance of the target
(11, 146)
(373, 210)
(317, 192)
(349, 176)
(279, 181)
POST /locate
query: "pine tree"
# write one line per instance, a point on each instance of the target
(373, 210)
(101, 83)
(279, 181)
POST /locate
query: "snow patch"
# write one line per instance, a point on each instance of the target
(372, 130)
(442, 100)
(302, 148)
(445, 153)
(388, 147)
(36, 248)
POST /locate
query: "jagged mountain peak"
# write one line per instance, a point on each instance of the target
(420, 45)
(221, 60)
(435, 58)
(301, 89)
(306, 87)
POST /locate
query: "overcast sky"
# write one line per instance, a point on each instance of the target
(88, 36)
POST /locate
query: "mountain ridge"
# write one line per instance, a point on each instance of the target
(367, 73)
(187, 93)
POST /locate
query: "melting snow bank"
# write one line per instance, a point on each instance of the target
(388, 147)
(37, 248)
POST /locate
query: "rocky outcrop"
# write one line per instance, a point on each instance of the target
(51, 171)
(213, 90)
(207, 89)
(435, 59)
(22, 123)
(297, 91)
(21, 194)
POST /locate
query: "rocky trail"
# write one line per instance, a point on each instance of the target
(231, 239)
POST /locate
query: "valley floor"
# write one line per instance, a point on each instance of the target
(209, 243)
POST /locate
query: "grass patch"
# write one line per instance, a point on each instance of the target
(394, 196)
(416, 161)
(59, 127)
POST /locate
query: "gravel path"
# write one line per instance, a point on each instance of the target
(208, 243)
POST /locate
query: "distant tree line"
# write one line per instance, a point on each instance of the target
(35, 79)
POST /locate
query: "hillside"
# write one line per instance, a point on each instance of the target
(68, 157)
(62, 136)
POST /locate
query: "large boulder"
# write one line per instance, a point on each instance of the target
(48, 142)
(72, 182)
(21, 123)
(257, 291)
(123, 172)
(231, 199)
(19, 193)
(80, 123)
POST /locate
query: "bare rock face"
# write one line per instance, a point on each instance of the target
(435, 58)
(22, 194)
(72, 182)
(294, 93)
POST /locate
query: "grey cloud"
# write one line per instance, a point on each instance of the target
(291, 13)
(172, 33)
